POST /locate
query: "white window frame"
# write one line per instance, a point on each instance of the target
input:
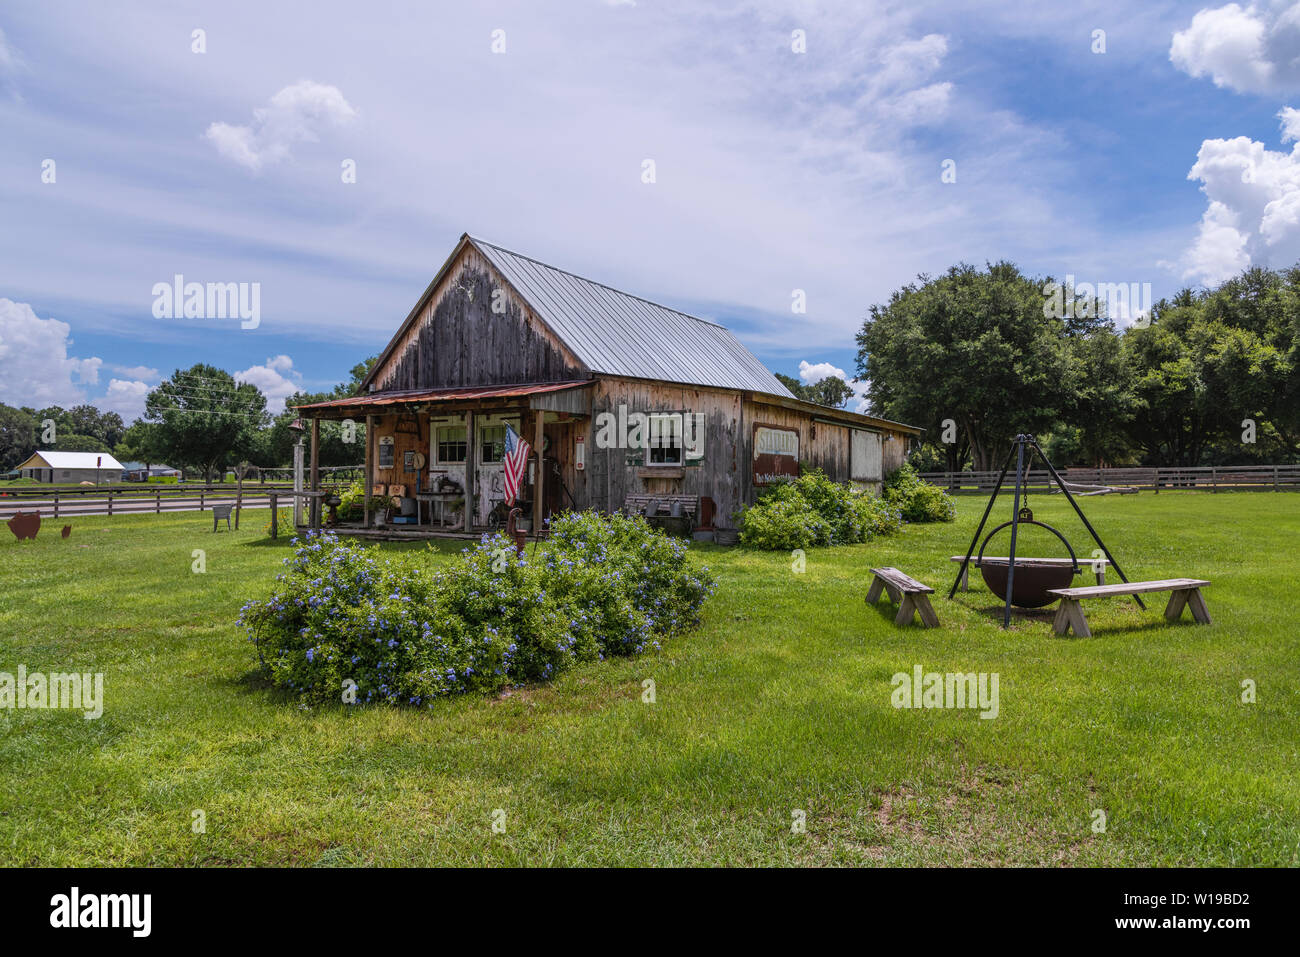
(496, 422)
(436, 455)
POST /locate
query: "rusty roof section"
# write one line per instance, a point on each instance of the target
(415, 396)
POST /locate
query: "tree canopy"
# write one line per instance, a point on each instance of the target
(831, 391)
(1209, 376)
(201, 416)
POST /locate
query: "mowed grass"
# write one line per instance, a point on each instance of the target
(780, 703)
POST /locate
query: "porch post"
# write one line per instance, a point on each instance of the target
(315, 473)
(370, 463)
(539, 439)
(470, 457)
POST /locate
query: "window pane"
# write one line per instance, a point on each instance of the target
(665, 440)
(492, 444)
(451, 443)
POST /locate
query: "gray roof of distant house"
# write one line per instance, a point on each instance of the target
(615, 333)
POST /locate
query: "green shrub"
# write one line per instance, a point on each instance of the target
(812, 511)
(917, 499)
(783, 523)
(404, 634)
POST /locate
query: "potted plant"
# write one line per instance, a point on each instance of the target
(378, 506)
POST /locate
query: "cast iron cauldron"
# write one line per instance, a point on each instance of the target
(1033, 578)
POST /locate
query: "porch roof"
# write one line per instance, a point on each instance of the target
(426, 396)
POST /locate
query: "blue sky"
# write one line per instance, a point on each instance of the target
(1166, 159)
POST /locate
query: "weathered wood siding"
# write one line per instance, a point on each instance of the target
(458, 340)
(893, 450)
(725, 472)
(614, 473)
(403, 442)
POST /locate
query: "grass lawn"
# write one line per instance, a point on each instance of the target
(780, 702)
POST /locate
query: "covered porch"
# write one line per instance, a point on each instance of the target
(437, 458)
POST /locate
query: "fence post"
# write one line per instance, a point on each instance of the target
(274, 516)
(110, 502)
(200, 500)
(56, 503)
(157, 501)
(1214, 479)
(1275, 488)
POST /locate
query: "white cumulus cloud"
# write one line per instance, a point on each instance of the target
(297, 114)
(38, 371)
(1250, 49)
(125, 397)
(1253, 215)
(810, 373)
(276, 379)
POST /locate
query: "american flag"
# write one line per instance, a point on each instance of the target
(516, 462)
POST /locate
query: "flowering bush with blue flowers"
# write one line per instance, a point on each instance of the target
(343, 613)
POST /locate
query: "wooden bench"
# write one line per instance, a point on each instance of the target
(906, 592)
(219, 512)
(1185, 592)
(638, 504)
(1098, 565)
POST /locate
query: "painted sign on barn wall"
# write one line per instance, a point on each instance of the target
(776, 454)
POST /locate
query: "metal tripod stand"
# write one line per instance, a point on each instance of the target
(1020, 445)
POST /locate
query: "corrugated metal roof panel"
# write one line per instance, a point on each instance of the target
(74, 460)
(616, 333)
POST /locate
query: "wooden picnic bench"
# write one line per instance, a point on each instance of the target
(906, 592)
(1184, 592)
(1098, 565)
(639, 504)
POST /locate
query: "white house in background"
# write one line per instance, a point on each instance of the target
(72, 467)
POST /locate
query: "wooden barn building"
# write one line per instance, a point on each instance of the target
(620, 398)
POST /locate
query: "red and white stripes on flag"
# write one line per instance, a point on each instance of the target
(516, 464)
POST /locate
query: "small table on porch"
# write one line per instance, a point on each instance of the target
(440, 499)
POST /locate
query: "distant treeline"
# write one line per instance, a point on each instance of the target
(199, 419)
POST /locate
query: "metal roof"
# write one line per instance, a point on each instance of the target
(72, 460)
(401, 396)
(615, 333)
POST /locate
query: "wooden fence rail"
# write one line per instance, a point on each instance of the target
(55, 501)
(1276, 478)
